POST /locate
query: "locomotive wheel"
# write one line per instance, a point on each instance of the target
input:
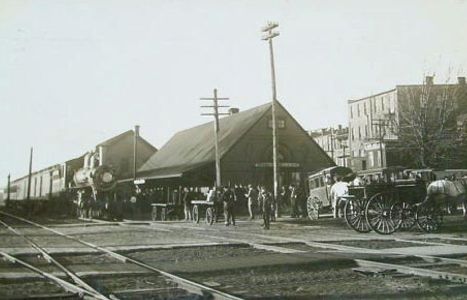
(313, 205)
(195, 214)
(378, 213)
(354, 215)
(210, 216)
(429, 217)
(403, 214)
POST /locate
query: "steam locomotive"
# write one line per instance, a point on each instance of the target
(95, 187)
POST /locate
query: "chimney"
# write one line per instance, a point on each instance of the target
(461, 80)
(234, 110)
(135, 150)
(429, 80)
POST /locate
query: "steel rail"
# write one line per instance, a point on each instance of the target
(67, 286)
(186, 284)
(50, 259)
(455, 277)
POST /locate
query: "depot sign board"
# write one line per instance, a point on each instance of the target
(139, 181)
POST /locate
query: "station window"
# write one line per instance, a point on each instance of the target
(351, 112)
(358, 110)
(382, 103)
(359, 133)
(364, 108)
(279, 122)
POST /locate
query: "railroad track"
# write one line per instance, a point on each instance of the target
(428, 270)
(79, 286)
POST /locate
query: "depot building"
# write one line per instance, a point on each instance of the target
(245, 148)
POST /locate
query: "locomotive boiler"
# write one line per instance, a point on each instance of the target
(95, 183)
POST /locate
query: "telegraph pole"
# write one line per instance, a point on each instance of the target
(215, 106)
(29, 175)
(268, 29)
(8, 191)
(332, 144)
(344, 155)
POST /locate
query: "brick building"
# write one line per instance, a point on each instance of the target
(372, 143)
(335, 142)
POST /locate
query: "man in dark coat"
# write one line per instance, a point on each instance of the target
(267, 202)
(228, 199)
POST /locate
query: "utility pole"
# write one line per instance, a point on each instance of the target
(29, 175)
(268, 29)
(215, 106)
(135, 150)
(8, 191)
(344, 155)
(332, 144)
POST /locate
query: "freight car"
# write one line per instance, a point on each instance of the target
(46, 186)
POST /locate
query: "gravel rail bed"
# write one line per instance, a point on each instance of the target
(375, 244)
(338, 283)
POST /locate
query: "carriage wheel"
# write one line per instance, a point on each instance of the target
(210, 216)
(354, 215)
(403, 215)
(429, 217)
(195, 214)
(378, 213)
(313, 206)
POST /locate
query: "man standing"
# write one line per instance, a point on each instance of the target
(252, 197)
(187, 203)
(338, 189)
(293, 201)
(228, 201)
(267, 203)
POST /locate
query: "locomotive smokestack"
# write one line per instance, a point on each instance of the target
(135, 150)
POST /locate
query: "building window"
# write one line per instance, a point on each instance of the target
(280, 123)
(366, 130)
(358, 110)
(359, 133)
(353, 134)
(382, 103)
(351, 112)
(364, 108)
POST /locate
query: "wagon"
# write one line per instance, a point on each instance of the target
(319, 184)
(162, 211)
(389, 204)
(204, 208)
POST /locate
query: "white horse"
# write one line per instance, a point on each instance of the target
(449, 192)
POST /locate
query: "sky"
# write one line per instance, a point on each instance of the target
(75, 73)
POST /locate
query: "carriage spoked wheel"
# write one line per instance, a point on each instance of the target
(313, 205)
(378, 213)
(403, 215)
(429, 217)
(195, 214)
(210, 216)
(354, 215)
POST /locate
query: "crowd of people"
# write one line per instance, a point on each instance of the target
(227, 200)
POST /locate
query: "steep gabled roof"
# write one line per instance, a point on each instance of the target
(194, 147)
(123, 135)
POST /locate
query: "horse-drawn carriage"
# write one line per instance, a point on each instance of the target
(388, 199)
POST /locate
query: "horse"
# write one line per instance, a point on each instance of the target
(448, 192)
